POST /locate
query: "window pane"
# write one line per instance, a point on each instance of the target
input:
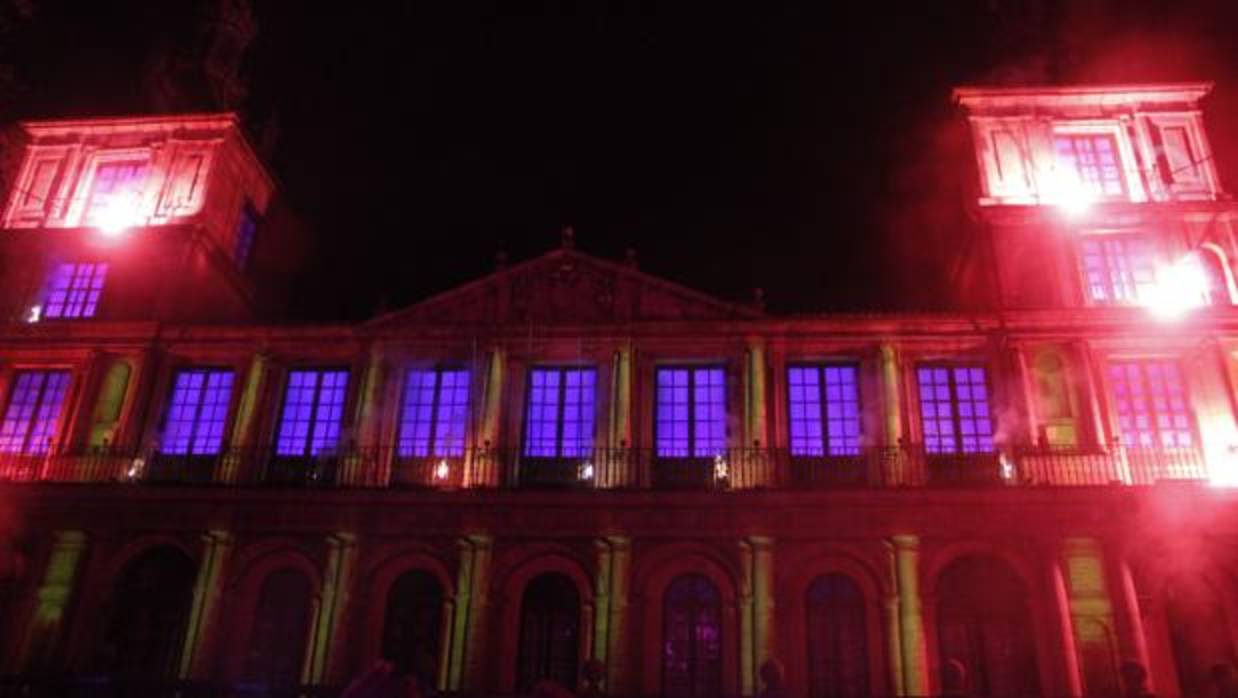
(73, 290)
(116, 184)
(804, 388)
(32, 417)
(560, 414)
(1152, 406)
(672, 412)
(198, 412)
(954, 409)
(313, 411)
(1118, 269)
(434, 415)
(1093, 162)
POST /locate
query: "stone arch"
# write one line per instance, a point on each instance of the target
(511, 596)
(655, 577)
(379, 582)
(256, 568)
(983, 612)
(148, 609)
(1215, 266)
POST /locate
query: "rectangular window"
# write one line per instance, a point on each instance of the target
(73, 290)
(1093, 159)
(559, 417)
(954, 409)
(691, 412)
(198, 412)
(434, 416)
(1118, 269)
(1151, 403)
(825, 410)
(313, 412)
(116, 190)
(32, 416)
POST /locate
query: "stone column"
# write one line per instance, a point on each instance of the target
(468, 650)
(892, 460)
(618, 675)
(616, 473)
(756, 610)
(1061, 624)
(484, 471)
(1128, 616)
(364, 463)
(44, 628)
(216, 546)
(913, 653)
(336, 580)
(245, 426)
(756, 416)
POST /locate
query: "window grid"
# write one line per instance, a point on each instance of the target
(313, 410)
(1094, 160)
(32, 416)
(559, 421)
(825, 410)
(691, 412)
(113, 181)
(1118, 269)
(434, 416)
(73, 290)
(1151, 402)
(198, 412)
(954, 409)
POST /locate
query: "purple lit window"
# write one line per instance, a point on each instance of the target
(73, 290)
(246, 233)
(559, 421)
(1151, 403)
(33, 413)
(1094, 160)
(198, 413)
(954, 409)
(113, 182)
(691, 412)
(825, 410)
(313, 410)
(435, 413)
(1118, 269)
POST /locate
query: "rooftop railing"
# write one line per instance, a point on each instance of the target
(615, 468)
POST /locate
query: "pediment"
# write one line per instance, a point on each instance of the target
(566, 287)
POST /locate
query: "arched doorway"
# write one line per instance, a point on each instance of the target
(837, 638)
(148, 615)
(1198, 632)
(983, 622)
(549, 632)
(692, 638)
(280, 631)
(413, 624)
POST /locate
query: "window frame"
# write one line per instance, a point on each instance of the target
(207, 371)
(87, 189)
(307, 450)
(692, 369)
(1101, 237)
(432, 440)
(1192, 426)
(1125, 151)
(562, 370)
(38, 405)
(955, 418)
(86, 302)
(823, 419)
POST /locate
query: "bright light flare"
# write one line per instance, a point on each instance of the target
(1180, 288)
(1063, 189)
(120, 214)
(442, 470)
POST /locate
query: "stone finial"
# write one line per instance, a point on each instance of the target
(758, 298)
(500, 260)
(629, 257)
(567, 237)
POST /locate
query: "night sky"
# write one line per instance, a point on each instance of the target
(814, 154)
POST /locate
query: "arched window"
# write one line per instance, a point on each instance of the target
(1198, 632)
(549, 632)
(149, 612)
(1213, 264)
(692, 638)
(413, 624)
(281, 628)
(837, 639)
(983, 623)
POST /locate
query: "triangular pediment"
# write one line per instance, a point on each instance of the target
(566, 287)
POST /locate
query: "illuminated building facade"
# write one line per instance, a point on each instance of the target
(570, 463)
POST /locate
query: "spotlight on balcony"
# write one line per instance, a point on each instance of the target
(119, 215)
(135, 469)
(35, 314)
(584, 471)
(1064, 190)
(722, 471)
(1180, 288)
(442, 470)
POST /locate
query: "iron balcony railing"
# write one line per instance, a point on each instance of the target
(615, 468)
